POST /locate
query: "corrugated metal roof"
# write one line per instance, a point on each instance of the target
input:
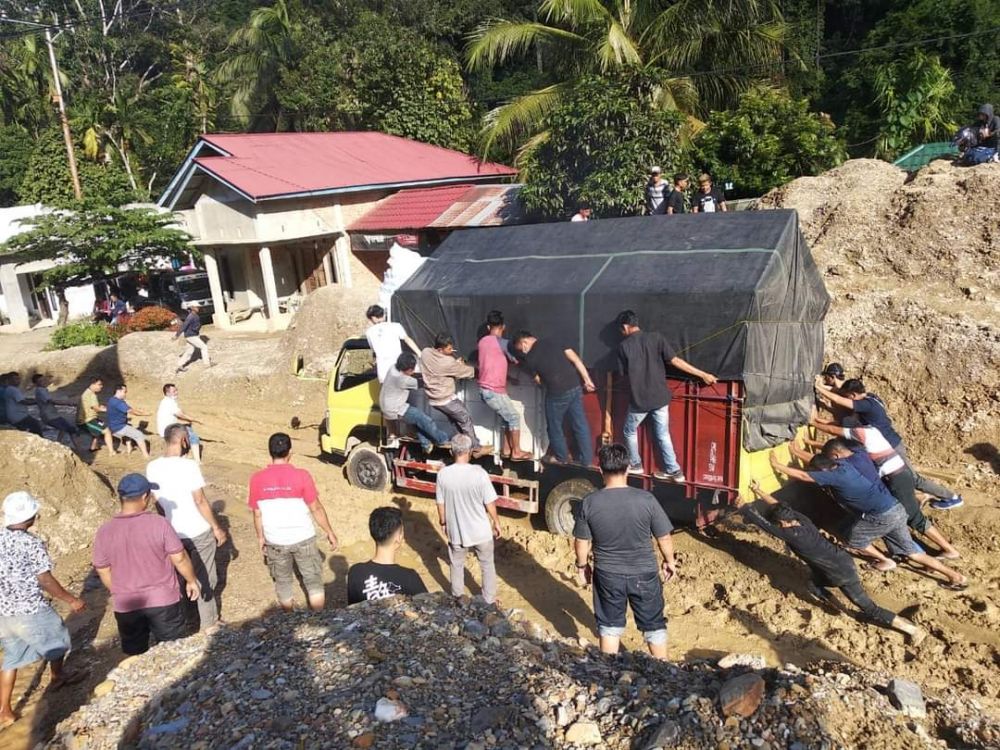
(415, 208)
(272, 165)
(483, 206)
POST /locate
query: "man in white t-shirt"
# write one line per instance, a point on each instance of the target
(169, 412)
(181, 496)
(384, 338)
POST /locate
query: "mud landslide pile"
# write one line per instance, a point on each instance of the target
(913, 265)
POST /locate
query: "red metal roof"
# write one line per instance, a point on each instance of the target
(414, 208)
(271, 165)
(483, 206)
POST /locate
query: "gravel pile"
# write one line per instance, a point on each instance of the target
(435, 673)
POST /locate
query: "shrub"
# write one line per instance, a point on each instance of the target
(80, 334)
(147, 319)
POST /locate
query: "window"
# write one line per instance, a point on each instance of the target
(356, 367)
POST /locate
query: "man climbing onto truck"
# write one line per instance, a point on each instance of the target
(393, 400)
(561, 371)
(643, 357)
(384, 337)
(493, 359)
(441, 369)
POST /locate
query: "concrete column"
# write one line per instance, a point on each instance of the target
(221, 316)
(342, 249)
(17, 310)
(270, 287)
(327, 266)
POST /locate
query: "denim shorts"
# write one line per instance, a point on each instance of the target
(613, 592)
(283, 559)
(890, 526)
(502, 405)
(28, 638)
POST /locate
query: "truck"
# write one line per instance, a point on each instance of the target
(174, 290)
(735, 294)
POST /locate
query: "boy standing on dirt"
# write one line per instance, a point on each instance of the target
(30, 629)
(381, 577)
(617, 522)
(831, 566)
(191, 331)
(285, 506)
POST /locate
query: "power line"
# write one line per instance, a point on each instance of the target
(69, 23)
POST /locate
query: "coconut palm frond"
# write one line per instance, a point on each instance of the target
(573, 13)
(617, 50)
(498, 42)
(519, 117)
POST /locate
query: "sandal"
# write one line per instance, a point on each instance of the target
(960, 586)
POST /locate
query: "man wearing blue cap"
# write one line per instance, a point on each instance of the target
(136, 555)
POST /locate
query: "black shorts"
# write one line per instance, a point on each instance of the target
(613, 592)
(166, 623)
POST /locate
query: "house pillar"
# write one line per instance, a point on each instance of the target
(17, 310)
(270, 286)
(327, 266)
(220, 317)
(341, 249)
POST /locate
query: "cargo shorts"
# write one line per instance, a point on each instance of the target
(28, 638)
(284, 559)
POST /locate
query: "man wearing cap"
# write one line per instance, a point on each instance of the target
(29, 628)
(656, 193)
(138, 556)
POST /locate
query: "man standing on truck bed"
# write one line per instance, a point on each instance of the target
(643, 357)
(560, 371)
(493, 359)
(618, 523)
(384, 337)
(191, 331)
(441, 369)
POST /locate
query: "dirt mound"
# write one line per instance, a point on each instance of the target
(449, 674)
(75, 500)
(914, 269)
(327, 317)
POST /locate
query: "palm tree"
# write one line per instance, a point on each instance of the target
(256, 53)
(702, 52)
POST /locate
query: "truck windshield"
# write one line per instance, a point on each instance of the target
(193, 286)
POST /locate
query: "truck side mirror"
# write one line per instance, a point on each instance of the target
(298, 365)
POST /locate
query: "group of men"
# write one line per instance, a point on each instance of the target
(662, 198)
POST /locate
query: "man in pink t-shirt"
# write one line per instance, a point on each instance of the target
(138, 556)
(285, 504)
(493, 361)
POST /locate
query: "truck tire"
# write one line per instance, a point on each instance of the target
(367, 469)
(562, 503)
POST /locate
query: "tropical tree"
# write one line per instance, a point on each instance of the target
(703, 52)
(915, 96)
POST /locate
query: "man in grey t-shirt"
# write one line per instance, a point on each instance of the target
(467, 511)
(618, 523)
(393, 400)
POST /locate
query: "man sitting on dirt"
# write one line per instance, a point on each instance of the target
(138, 557)
(618, 522)
(381, 577)
(119, 411)
(16, 406)
(467, 512)
(871, 411)
(383, 338)
(169, 412)
(393, 400)
(876, 515)
(179, 488)
(560, 371)
(493, 358)
(88, 416)
(441, 369)
(30, 630)
(643, 357)
(988, 125)
(285, 506)
(831, 566)
(47, 407)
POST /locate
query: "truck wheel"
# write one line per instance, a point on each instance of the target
(562, 504)
(366, 468)
(319, 435)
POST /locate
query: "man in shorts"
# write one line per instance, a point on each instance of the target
(138, 557)
(88, 416)
(118, 412)
(493, 358)
(30, 629)
(618, 524)
(169, 412)
(285, 506)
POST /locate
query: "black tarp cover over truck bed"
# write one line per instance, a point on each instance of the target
(736, 294)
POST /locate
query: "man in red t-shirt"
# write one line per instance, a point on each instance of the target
(285, 504)
(493, 360)
(138, 556)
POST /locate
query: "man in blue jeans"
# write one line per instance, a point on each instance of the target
(393, 401)
(617, 522)
(643, 358)
(561, 371)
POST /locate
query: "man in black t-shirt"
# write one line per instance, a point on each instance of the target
(677, 200)
(830, 565)
(380, 577)
(643, 357)
(618, 522)
(708, 200)
(561, 371)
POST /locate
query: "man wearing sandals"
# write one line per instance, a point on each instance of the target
(29, 628)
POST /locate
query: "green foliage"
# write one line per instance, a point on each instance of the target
(90, 243)
(47, 178)
(80, 334)
(915, 97)
(15, 152)
(769, 139)
(602, 138)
